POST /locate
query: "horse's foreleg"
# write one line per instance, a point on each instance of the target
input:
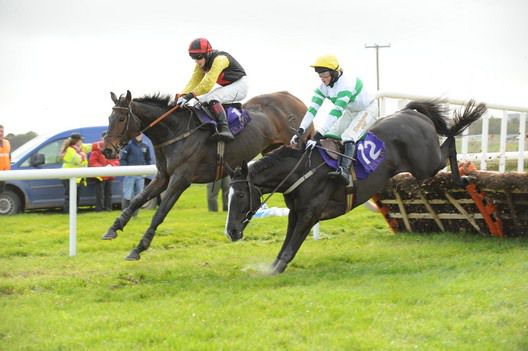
(156, 187)
(292, 220)
(304, 223)
(177, 186)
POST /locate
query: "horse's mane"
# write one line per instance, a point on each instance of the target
(275, 158)
(155, 99)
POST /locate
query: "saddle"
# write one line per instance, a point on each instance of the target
(237, 117)
(364, 163)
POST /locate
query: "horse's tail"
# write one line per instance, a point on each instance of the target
(436, 111)
(462, 120)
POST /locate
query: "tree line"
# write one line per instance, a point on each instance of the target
(16, 140)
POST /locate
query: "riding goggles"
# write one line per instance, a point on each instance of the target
(197, 56)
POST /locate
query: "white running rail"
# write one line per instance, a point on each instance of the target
(484, 156)
(72, 174)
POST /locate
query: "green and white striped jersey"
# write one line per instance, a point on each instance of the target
(346, 94)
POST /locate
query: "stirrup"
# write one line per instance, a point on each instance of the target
(336, 173)
(343, 176)
(223, 136)
(348, 181)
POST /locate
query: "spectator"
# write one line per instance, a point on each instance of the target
(135, 153)
(103, 185)
(5, 155)
(74, 155)
(213, 189)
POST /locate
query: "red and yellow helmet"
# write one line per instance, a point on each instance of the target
(200, 46)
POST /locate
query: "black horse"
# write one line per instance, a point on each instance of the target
(411, 145)
(185, 151)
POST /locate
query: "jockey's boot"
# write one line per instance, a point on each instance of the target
(223, 132)
(343, 171)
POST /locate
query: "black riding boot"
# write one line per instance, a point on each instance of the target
(223, 131)
(343, 171)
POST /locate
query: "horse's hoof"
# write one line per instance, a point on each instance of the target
(133, 256)
(467, 179)
(110, 234)
(277, 267)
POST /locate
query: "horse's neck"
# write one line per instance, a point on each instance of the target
(166, 128)
(268, 180)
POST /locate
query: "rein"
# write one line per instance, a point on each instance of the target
(251, 211)
(285, 178)
(150, 125)
(334, 152)
(160, 118)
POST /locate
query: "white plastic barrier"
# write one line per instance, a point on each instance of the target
(72, 174)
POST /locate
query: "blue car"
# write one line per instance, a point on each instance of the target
(42, 152)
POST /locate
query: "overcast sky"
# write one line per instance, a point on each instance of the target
(61, 58)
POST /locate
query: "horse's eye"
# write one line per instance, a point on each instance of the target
(241, 195)
(121, 119)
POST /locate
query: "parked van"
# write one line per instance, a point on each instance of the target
(42, 152)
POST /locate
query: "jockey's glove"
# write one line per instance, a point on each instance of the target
(184, 98)
(297, 136)
(310, 144)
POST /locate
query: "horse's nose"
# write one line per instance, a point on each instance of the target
(107, 152)
(234, 235)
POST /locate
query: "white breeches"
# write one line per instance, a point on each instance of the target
(352, 125)
(234, 92)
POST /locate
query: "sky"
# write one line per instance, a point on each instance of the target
(60, 59)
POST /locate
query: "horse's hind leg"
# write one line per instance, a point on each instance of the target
(177, 186)
(152, 190)
(448, 150)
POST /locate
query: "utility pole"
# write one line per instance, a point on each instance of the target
(377, 47)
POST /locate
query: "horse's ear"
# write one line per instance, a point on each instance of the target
(244, 169)
(114, 97)
(128, 96)
(228, 170)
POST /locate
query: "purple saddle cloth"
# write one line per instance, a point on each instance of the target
(237, 118)
(369, 153)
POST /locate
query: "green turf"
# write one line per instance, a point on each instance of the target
(358, 288)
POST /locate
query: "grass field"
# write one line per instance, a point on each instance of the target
(358, 288)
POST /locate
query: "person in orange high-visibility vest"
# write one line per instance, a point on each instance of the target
(5, 151)
(5, 155)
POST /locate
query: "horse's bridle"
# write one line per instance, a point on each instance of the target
(131, 115)
(250, 184)
(119, 135)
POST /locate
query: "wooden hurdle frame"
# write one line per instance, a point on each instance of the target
(492, 204)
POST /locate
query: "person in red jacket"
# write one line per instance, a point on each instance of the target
(103, 185)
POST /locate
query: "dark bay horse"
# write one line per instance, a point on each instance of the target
(411, 145)
(185, 153)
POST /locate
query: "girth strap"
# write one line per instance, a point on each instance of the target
(220, 148)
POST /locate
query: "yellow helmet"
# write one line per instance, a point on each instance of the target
(327, 61)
